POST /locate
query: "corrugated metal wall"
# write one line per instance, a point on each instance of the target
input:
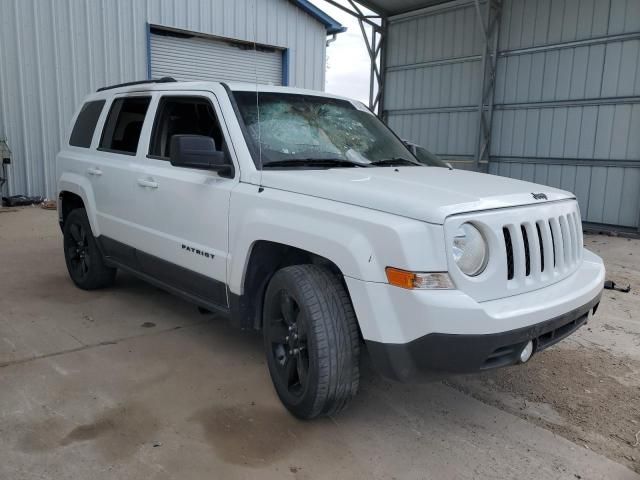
(53, 53)
(567, 98)
(431, 89)
(568, 102)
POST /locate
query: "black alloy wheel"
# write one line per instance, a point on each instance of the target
(311, 340)
(84, 259)
(288, 347)
(77, 251)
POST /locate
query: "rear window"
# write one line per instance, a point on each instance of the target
(86, 124)
(122, 129)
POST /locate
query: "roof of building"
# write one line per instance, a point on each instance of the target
(332, 25)
(396, 7)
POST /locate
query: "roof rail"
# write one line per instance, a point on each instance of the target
(140, 82)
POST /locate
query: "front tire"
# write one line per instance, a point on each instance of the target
(311, 340)
(81, 253)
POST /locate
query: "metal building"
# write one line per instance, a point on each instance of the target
(54, 53)
(541, 90)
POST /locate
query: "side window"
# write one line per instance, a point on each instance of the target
(86, 124)
(183, 115)
(124, 123)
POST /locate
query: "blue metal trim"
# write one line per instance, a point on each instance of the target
(285, 67)
(332, 25)
(148, 51)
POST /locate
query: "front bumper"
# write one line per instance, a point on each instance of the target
(413, 334)
(437, 355)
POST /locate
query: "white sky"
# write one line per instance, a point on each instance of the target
(347, 58)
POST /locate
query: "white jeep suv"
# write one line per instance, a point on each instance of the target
(302, 215)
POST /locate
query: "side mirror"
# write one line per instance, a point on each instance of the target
(410, 146)
(198, 151)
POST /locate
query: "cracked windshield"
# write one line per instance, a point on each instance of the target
(305, 130)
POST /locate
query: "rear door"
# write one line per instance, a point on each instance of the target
(112, 172)
(184, 211)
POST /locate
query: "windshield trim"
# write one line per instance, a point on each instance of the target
(249, 141)
(243, 127)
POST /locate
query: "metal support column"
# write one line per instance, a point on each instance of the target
(490, 26)
(373, 28)
(374, 40)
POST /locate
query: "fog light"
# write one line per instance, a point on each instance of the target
(526, 352)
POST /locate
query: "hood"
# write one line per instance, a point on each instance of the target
(429, 194)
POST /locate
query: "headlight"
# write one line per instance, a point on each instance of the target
(470, 250)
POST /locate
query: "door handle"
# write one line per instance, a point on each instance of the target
(94, 171)
(147, 183)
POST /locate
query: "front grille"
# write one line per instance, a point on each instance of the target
(536, 248)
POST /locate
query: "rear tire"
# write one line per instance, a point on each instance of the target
(83, 257)
(311, 340)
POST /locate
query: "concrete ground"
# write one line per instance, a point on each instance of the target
(131, 382)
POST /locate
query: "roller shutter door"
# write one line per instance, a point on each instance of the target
(198, 58)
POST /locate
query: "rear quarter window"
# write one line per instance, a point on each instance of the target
(122, 129)
(86, 124)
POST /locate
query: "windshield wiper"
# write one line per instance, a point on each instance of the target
(314, 162)
(389, 162)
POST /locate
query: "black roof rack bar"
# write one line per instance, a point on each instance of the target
(140, 82)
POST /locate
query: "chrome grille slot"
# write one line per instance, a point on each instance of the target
(527, 253)
(576, 225)
(553, 244)
(509, 252)
(519, 256)
(541, 243)
(535, 260)
(558, 243)
(578, 221)
(566, 239)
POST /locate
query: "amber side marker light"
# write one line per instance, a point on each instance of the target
(419, 280)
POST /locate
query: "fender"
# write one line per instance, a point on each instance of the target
(81, 186)
(361, 242)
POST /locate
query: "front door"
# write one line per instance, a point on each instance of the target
(184, 211)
